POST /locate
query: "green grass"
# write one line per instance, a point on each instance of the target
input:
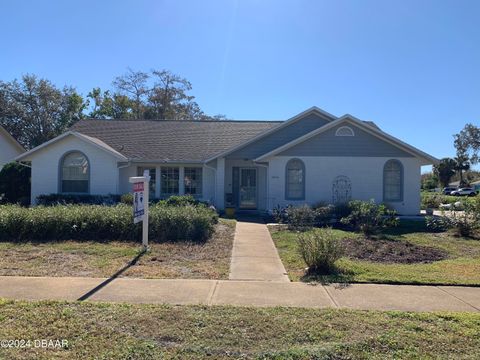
(461, 268)
(209, 260)
(115, 331)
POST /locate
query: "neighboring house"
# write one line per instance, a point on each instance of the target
(252, 165)
(9, 147)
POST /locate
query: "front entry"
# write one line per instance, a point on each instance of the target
(248, 188)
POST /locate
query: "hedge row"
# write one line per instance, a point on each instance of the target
(434, 200)
(104, 223)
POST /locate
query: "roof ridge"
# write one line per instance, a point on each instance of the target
(183, 121)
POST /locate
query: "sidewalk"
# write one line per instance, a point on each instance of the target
(254, 255)
(244, 293)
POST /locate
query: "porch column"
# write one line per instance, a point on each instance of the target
(181, 176)
(220, 184)
(158, 181)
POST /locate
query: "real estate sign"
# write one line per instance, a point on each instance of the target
(138, 202)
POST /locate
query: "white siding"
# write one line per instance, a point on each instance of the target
(45, 166)
(8, 151)
(208, 178)
(365, 173)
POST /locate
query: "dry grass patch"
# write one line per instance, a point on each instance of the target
(114, 331)
(209, 260)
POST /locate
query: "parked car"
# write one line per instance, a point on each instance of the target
(448, 190)
(464, 192)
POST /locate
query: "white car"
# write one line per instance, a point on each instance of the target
(464, 192)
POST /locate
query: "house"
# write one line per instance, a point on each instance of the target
(251, 165)
(9, 147)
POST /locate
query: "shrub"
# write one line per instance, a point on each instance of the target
(104, 223)
(320, 250)
(127, 199)
(64, 199)
(300, 218)
(15, 184)
(439, 223)
(467, 222)
(368, 217)
(181, 200)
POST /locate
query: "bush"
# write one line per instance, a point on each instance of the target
(15, 184)
(465, 223)
(369, 218)
(104, 223)
(127, 199)
(64, 199)
(300, 218)
(180, 200)
(320, 250)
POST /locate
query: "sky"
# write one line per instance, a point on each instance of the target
(413, 67)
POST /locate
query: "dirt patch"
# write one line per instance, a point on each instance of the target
(391, 251)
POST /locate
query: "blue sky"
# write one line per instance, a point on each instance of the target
(413, 67)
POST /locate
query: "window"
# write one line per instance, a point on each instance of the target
(295, 180)
(170, 177)
(193, 181)
(393, 181)
(344, 131)
(75, 173)
(153, 180)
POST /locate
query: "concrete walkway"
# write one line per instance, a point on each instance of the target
(243, 293)
(254, 255)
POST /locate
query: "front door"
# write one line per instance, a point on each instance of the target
(248, 188)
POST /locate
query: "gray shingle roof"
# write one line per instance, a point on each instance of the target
(171, 140)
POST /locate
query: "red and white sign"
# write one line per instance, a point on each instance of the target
(138, 202)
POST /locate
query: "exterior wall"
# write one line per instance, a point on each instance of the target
(46, 162)
(365, 174)
(208, 179)
(8, 151)
(280, 137)
(362, 144)
(262, 193)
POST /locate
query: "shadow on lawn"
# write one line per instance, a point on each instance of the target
(337, 276)
(133, 262)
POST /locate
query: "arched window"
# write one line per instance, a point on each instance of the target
(295, 180)
(74, 173)
(344, 131)
(393, 181)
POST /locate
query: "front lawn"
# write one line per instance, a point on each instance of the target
(209, 260)
(117, 331)
(408, 254)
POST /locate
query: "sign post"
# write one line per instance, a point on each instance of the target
(140, 204)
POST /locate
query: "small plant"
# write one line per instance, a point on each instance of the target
(369, 217)
(127, 199)
(320, 250)
(300, 218)
(439, 223)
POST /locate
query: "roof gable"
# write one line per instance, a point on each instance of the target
(93, 141)
(367, 132)
(289, 130)
(6, 135)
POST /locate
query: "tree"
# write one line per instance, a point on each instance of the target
(134, 84)
(429, 181)
(15, 183)
(467, 143)
(445, 170)
(106, 106)
(34, 111)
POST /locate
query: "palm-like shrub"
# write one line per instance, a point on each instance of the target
(320, 250)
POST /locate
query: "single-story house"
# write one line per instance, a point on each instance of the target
(251, 165)
(9, 147)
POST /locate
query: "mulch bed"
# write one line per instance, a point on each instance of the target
(391, 251)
